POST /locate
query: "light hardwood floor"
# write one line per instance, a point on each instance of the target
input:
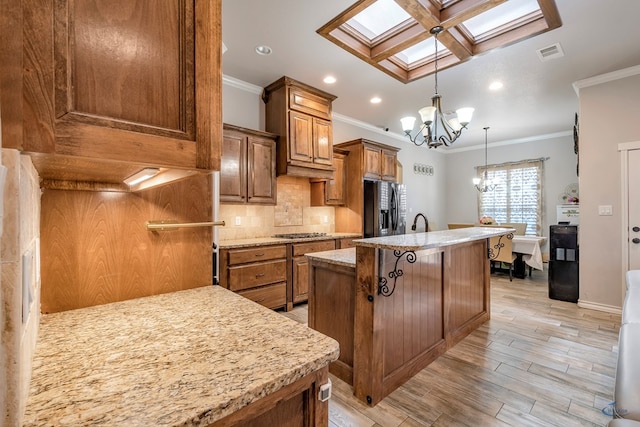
(537, 362)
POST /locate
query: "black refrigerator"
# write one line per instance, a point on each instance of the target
(384, 208)
(564, 263)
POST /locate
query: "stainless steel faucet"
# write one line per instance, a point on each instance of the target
(415, 221)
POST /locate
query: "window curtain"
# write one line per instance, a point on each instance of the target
(518, 195)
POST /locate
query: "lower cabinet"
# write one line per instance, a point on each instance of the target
(258, 273)
(296, 405)
(300, 267)
(276, 276)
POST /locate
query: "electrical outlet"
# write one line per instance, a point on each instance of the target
(605, 210)
(325, 219)
(238, 222)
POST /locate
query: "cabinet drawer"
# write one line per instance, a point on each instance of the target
(307, 248)
(306, 102)
(257, 274)
(272, 296)
(263, 253)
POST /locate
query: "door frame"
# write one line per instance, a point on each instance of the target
(624, 148)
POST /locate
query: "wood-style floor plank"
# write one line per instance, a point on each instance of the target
(537, 362)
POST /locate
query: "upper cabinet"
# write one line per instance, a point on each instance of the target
(136, 81)
(248, 166)
(301, 116)
(332, 191)
(372, 160)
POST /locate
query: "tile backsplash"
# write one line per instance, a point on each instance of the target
(292, 214)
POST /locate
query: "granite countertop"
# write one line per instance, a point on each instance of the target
(432, 239)
(260, 241)
(186, 358)
(345, 257)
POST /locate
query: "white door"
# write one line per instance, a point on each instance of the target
(633, 186)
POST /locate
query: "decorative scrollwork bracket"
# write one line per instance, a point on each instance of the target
(383, 285)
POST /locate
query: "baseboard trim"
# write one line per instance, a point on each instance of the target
(599, 307)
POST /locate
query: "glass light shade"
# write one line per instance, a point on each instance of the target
(407, 123)
(464, 115)
(454, 123)
(476, 181)
(427, 114)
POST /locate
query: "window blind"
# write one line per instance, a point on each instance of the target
(518, 195)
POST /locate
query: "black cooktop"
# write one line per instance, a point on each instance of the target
(298, 235)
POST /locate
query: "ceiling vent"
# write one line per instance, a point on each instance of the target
(550, 52)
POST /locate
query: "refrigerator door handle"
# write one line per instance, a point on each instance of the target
(394, 209)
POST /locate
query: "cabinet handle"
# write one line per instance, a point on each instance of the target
(259, 275)
(259, 255)
(261, 300)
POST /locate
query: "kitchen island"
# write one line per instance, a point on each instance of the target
(198, 357)
(396, 303)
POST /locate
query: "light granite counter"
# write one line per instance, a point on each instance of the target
(187, 358)
(432, 239)
(260, 241)
(345, 257)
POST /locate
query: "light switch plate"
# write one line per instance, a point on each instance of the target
(605, 210)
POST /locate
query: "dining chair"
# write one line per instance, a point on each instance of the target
(501, 252)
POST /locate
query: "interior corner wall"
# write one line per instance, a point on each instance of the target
(608, 116)
(19, 255)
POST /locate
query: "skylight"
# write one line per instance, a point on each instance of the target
(393, 35)
(378, 18)
(501, 15)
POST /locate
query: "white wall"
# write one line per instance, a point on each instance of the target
(609, 111)
(559, 171)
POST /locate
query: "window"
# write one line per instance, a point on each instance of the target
(517, 197)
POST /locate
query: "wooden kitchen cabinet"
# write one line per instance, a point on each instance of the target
(332, 191)
(379, 163)
(301, 116)
(117, 82)
(300, 267)
(368, 160)
(248, 166)
(257, 272)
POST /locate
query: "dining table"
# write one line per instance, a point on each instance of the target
(528, 253)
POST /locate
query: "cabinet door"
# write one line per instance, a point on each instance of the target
(116, 80)
(300, 137)
(233, 173)
(300, 279)
(336, 189)
(322, 143)
(372, 167)
(261, 178)
(388, 165)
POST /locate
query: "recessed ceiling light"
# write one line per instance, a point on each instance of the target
(329, 80)
(263, 50)
(495, 86)
(375, 100)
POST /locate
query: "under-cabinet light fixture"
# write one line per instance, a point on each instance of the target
(143, 175)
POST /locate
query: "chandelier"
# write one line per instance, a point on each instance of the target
(485, 184)
(437, 128)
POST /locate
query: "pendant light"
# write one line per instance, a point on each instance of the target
(485, 184)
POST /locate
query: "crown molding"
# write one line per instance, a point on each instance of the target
(242, 85)
(605, 78)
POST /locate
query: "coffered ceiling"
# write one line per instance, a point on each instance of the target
(469, 28)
